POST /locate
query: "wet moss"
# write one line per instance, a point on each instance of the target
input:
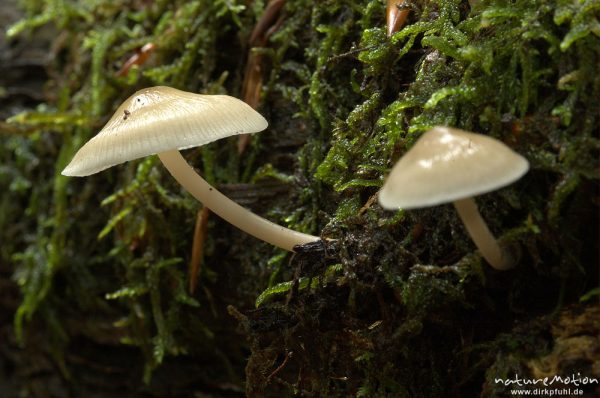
(400, 302)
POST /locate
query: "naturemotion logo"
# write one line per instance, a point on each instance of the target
(558, 385)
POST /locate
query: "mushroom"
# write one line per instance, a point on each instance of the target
(452, 165)
(163, 120)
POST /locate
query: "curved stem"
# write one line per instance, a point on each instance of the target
(230, 211)
(481, 235)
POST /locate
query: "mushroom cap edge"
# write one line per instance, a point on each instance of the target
(158, 119)
(448, 164)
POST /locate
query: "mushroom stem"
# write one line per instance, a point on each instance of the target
(481, 235)
(227, 209)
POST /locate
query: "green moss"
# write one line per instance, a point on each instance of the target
(92, 50)
(385, 310)
(501, 70)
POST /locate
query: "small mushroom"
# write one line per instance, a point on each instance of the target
(164, 120)
(452, 165)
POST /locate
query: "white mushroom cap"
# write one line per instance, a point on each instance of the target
(448, 164)
(159, 119)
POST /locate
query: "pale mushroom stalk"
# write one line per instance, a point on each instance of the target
(452, 165)
(481, 235)
(163, 120)
(227, 209)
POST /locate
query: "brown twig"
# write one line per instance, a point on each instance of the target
(288, 356)
(268, 23)
(141, 55)
(396, 14)
(198, 247)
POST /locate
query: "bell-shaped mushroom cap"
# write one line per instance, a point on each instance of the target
(159, 119)
(447, 164)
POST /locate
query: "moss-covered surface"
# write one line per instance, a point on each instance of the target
(400, 304)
